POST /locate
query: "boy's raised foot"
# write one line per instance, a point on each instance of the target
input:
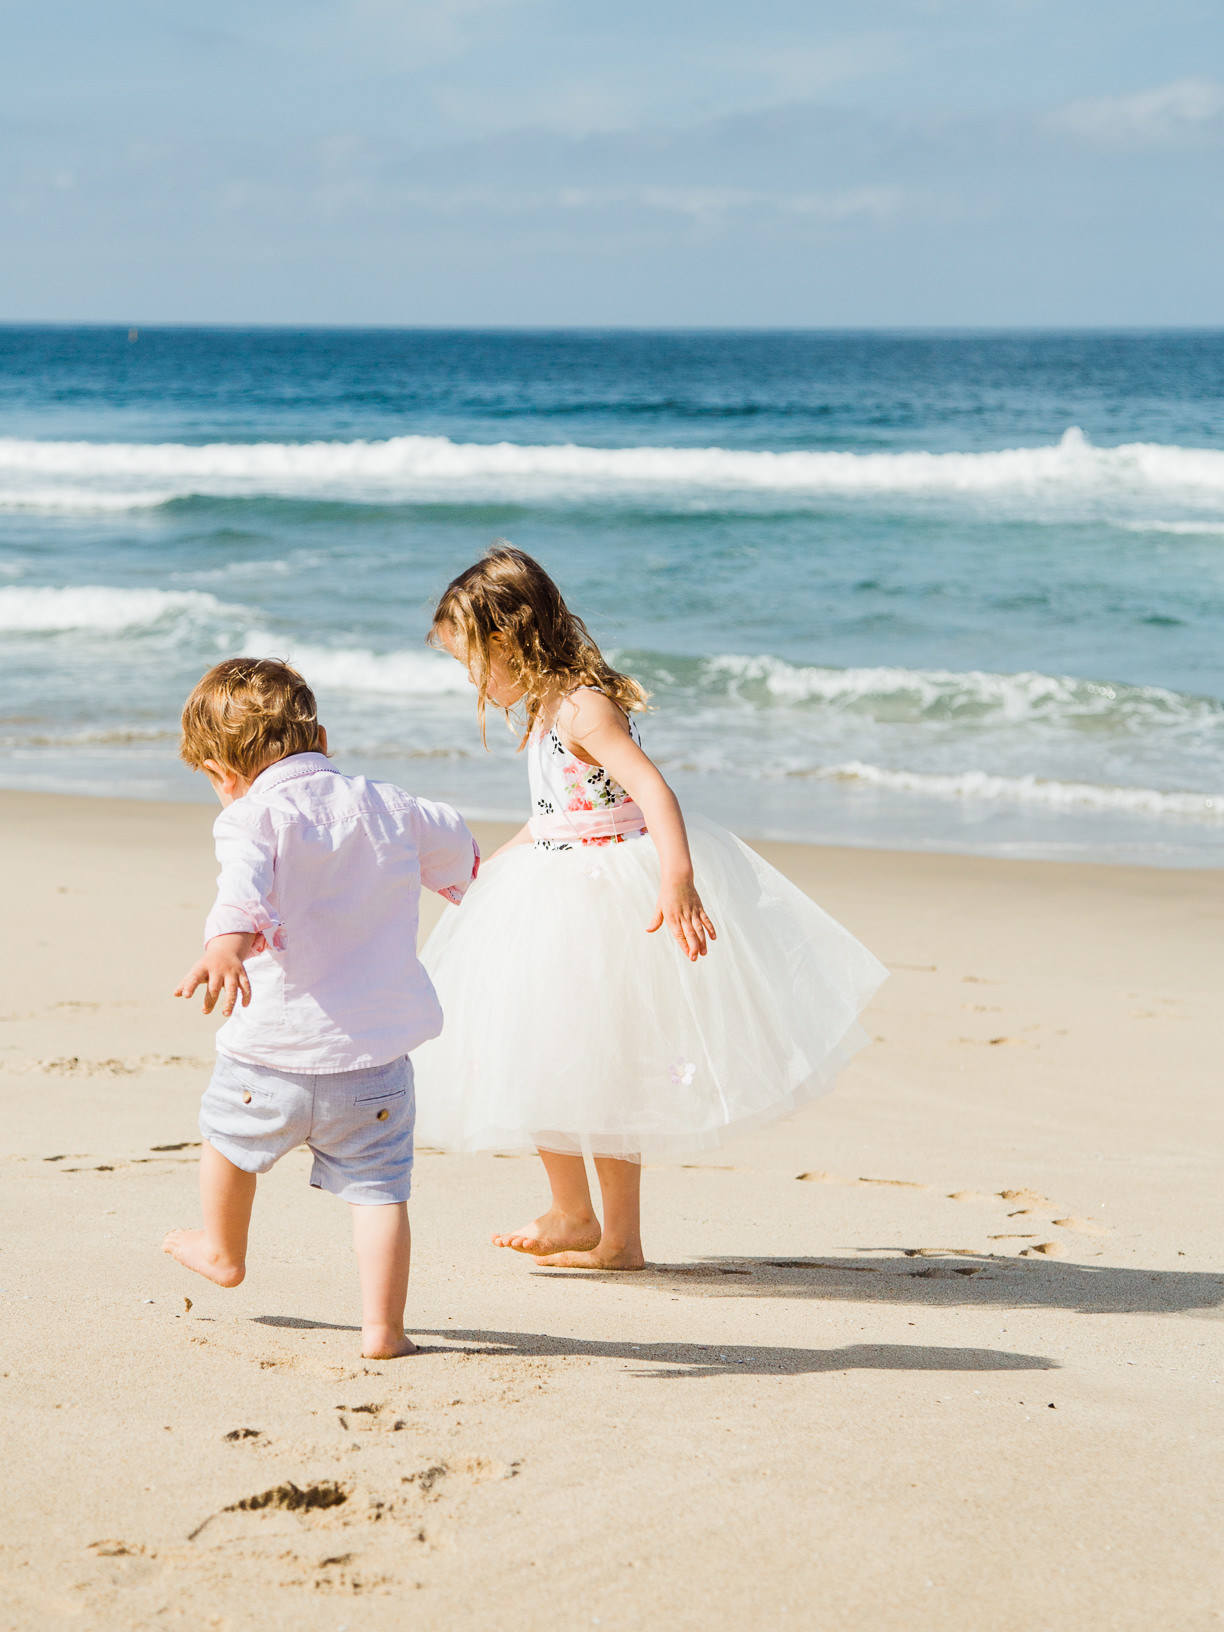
(553, 1232)
(601, 1257)
(385, 1343)
(191, 1249)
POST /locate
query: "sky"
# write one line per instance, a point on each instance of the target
(794, 163)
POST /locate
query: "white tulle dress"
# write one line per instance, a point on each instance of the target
(569, 1028)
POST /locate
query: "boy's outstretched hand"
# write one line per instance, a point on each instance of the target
(220, 971)
(679, 907)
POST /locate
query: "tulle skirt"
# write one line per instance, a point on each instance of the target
(569, 1028)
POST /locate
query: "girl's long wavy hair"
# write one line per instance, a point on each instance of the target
(508, 596)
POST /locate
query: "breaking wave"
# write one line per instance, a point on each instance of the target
(108, 611)
(353, 669)
(116, 475)
(944, 696)
(1031, 790)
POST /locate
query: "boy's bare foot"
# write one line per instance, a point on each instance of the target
(385, 1343)
(602, 1257)
(191, 1249)
(553, 1232)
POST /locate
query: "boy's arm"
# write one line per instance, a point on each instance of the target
(242, 921)
(450, 856)
(246, 849)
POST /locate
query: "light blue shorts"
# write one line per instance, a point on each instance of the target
(357, 1124)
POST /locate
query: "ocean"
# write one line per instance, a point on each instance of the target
(934, 591)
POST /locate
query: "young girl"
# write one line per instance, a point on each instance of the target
(571, 1024)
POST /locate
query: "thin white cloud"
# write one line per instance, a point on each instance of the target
(1164, 116)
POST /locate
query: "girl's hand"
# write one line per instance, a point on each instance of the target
(679, 907)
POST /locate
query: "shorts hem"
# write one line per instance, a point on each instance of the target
(238, 1157)
(358, 1194)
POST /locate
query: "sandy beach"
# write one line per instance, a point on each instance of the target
(942, 1350)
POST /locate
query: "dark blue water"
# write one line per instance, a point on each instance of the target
(954, 590)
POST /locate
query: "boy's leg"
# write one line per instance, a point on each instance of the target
(218, 1251)
(570, 1224)
(620, 1247)
(383, 1244)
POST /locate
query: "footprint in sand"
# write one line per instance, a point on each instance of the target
(1026, 1196)
(365, 1418)
(900, 1184)
(286, 1498)
(941, 1252)
(1081, 1226)
(1048, 1249)
(967, 1195)
(822, 1178)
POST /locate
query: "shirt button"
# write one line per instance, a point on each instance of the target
(246, 1099)
(383, 1114)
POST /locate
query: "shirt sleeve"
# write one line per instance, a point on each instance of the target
(450, 856)
(247, 853)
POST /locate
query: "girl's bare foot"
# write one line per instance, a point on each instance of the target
(602, 1257)
(385, 1343)
(191, 1249)
(553, 1232)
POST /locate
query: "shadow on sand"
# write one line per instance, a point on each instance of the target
(731, 1359)
(951, 1280)
(701, 1359)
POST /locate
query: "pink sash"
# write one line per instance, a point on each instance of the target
(576, 826)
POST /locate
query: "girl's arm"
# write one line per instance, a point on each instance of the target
(594, 728)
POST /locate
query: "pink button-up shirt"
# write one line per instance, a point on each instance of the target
(328, 870)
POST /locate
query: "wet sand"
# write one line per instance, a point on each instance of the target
(943, 1349)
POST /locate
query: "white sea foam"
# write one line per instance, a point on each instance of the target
(1185, 528)
(1031, 790)
(422, 467)
(70, 499)
(957, 696)
(353, 669)
(37, 610)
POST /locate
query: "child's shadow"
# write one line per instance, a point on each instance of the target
(702, 1359)
(731, 1359)
(905, 1276)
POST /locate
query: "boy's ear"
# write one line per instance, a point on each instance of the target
(220, 775)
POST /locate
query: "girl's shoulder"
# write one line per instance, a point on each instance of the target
(585, 709)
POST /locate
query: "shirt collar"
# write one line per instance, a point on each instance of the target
(294, 765)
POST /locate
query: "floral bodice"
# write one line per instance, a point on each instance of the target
(565, 792)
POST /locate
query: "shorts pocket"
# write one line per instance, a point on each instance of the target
(245, 1089)
(381, 1098)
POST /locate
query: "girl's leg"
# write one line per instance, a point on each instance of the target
(620, 1247)
(219, 1250)
(570, 1224)
(383, 1244)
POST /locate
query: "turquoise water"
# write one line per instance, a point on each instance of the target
(936, 591)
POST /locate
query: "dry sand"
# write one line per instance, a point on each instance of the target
(842, 1397)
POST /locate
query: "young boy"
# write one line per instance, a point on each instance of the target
(315, 926)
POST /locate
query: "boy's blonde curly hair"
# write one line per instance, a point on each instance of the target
(247, 713)
(508, 596)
